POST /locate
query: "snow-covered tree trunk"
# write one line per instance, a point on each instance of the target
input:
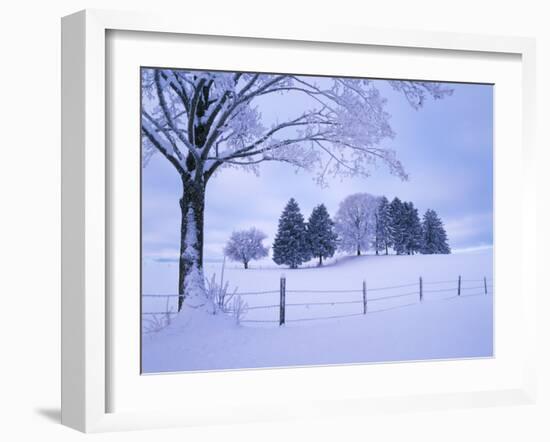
(191, 235)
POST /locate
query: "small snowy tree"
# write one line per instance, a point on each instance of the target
(355, 222)
(434, 236)
(320, 234)
(246, 245)
(382, 220)
(291, 244)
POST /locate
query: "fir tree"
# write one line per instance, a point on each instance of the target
(412, 229)
(434, 236)
(382, 238)
(397, 225)
(320, 234)
(291, 246)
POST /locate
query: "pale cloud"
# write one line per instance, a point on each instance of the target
(463, 231)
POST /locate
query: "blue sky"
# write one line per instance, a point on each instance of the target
(446, 148)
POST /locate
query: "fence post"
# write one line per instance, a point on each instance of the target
(485, 283)
(459, 283)
(282, 300)
(364, 297)
(420, 281)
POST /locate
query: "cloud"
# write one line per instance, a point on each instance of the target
(470, 230)
(479, 248)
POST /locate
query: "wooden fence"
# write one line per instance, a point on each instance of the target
(419, 292)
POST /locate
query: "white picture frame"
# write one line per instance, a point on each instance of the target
(86, 211)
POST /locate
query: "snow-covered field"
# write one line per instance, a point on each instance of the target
(442, 326)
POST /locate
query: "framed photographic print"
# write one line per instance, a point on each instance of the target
(291, 219)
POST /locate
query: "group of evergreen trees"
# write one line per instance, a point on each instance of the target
(297, 241)
(397, 225)
(361, 220)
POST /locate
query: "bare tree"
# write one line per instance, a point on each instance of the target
(355, 222)
(203, 121)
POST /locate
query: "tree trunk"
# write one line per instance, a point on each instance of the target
(320, 260)
(358, 251)
(386, 249)
(193, 198)
(245, 265)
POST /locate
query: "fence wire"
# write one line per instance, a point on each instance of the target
(454, 281)
(392, 308)
(261, 307)
(307, 304)
(452, 289)
(377, 289)
(401, 295)
(324, 317)
(325, 291)
(265, 292)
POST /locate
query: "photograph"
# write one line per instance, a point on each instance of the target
(300, 220)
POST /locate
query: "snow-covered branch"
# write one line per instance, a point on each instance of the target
(204, 121)
(416, 92)
(148, 130)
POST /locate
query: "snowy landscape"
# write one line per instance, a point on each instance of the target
(295, 220)
(442, 326)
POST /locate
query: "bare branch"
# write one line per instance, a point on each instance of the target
(158, 144)
(165, 110)
(159, 128)
(342, 132)
(172, 78)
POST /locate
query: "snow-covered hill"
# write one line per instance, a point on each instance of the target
(398, 328)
